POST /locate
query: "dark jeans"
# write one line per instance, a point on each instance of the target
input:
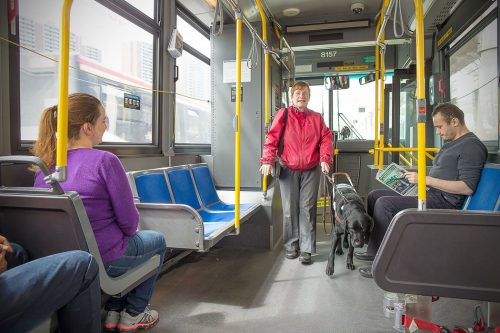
(383, 205)
(141, 247)
(66, 283)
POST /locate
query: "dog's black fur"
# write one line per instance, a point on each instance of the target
(352, 221)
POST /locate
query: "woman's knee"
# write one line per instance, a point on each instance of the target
(153, 239)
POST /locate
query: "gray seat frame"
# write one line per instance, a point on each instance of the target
(51, 221)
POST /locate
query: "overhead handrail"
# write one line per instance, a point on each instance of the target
(60, 172)
(385, 18)
(218, 12)
(236, 8)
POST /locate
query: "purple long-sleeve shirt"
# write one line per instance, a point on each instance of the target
(98, 176)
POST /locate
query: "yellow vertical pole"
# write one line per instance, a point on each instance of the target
(237, 129)
(62, 108)
(266, 81)
(382, 105)
(377, 76)
(421, 104)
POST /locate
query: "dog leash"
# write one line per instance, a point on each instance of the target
(326, 192)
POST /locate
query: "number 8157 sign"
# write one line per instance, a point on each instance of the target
(328, 54)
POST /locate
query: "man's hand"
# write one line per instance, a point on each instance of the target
(325, 168)
(4, 248)
(412, 177)
(266, 169)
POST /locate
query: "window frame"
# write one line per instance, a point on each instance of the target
(492, 145)
(134, 16)
(186, 15)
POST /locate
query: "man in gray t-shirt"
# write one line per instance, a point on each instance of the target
(454, 175)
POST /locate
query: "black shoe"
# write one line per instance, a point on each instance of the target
(366, 271)
(363, 256)
(305, 258)
(291, 254)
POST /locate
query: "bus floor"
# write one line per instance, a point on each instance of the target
(248, 290)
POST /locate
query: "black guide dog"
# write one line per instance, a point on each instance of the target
(351, 220)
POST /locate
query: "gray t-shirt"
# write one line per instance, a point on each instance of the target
(460, 159)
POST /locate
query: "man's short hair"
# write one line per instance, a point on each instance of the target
(301, 85)
(449, 111)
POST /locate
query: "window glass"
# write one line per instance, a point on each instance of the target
(192, 111)
(354, 110)
(319, 101)
(473, 83)
(109, 58)
(193, 37)
(145, 6)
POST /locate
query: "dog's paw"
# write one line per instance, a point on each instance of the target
(339, 251)
(350, 266)
(345, 245)
(329, 270)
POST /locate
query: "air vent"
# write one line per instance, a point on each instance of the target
(326, 37)
(329, 64)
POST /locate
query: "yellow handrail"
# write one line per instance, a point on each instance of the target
(421, 104)
(266, 82)
(237, 129)
(407, 149)
(62, 108)
(382, 93)
(377, 76)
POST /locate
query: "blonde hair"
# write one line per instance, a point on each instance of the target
(82, 108)
(301, 85)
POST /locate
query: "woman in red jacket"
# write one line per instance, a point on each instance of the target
(307, 148)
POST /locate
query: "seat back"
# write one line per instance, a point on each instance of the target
(205, 185)
(152, 188)
(487, 194)
(440, 252)
(183, 188)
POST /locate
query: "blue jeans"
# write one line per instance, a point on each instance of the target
(141, 247)
(66, 282)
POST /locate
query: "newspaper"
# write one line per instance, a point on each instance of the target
(393, 177)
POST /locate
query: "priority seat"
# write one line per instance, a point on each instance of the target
(441, 252)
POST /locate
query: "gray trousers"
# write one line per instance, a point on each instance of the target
(299, 194)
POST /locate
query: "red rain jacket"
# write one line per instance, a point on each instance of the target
(307, 141)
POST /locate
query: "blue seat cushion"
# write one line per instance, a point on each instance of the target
(224, 206)
(152, 188)
(183, 188)
(487, 191)
(211, 227)
(216, 217)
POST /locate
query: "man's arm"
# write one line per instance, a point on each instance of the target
(450, 186)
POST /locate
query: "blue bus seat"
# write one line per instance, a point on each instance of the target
(184, 192)
(169, 202)
(208, 194)
(153, 188)
(487, 194)
(444, 252)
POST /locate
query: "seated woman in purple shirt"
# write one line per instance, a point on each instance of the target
(99, 178)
